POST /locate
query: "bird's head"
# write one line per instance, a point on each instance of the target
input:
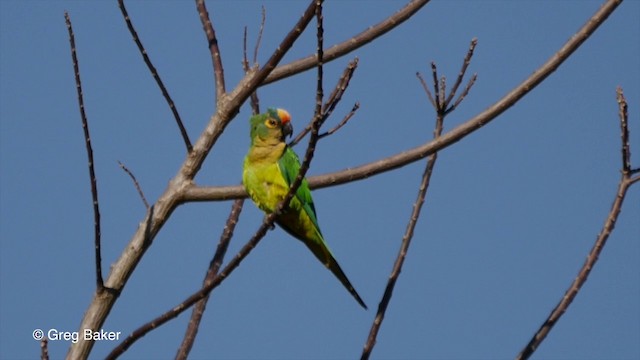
(271, 127)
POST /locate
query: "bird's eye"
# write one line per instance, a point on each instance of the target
(271, 123)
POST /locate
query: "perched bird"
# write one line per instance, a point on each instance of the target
(270, 168)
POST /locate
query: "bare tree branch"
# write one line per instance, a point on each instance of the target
(214, 266)
(404, 247)
(333, 100)
(195, 193)
(210, 33)
(260, 32)
(440, 106)
(135, 183)
(255, 101)
(343, 122)
(625, 182)
(156, 76)
(216, 262)
(463, 70)
(339, 50)
(44, 349)
(624, 130)
(92, 172)
(426, 89)
(159, 213)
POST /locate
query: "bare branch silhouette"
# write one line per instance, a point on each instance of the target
(333, 100)
(255, 101)
(156, 76)
(44, 349)
(339, 50)
(214, 193)
(210, 33)
(463, 70)
(441, 107)
(236, 209)
(423, 82)
(625, 182)
(343, 122)
(623, 113)
(260, 32)
(135, 183)
(159, 212)
(92, 172)
(214, 266)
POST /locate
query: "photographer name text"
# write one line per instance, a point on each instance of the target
(75, 336)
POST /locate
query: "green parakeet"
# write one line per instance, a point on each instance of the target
(270, 167)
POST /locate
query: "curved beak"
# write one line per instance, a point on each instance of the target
(287, 129)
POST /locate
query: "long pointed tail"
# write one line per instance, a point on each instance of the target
(337, 271)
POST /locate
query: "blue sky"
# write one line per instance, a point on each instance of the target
(511, 214)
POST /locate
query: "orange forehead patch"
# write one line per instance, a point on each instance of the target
(284, 116)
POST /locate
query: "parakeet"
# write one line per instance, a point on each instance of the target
(270, 167)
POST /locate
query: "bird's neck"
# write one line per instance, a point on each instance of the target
(266, 152)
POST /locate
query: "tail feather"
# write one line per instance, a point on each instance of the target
(337, 271)
(315, 242)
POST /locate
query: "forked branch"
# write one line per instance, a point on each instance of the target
(441, 108)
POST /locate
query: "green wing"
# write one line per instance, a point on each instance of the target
(289, 165)
(300, 220)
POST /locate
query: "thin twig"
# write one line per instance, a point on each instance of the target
(210, 33)
(44, 349)
(319, 49)
(404, 247)
(255, 101)
(339, 90)
(332, 101)
(625, 182)
(343, 122)
(135, 182)
(336, 51)
(463, 70)
(439, 104)
(156, 76)
(464, 93)
(212, 271)
(92, 172)
(260, 32)
(623, 113)
(436, 87)
(426, 90)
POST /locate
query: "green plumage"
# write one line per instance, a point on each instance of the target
(269, 169)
